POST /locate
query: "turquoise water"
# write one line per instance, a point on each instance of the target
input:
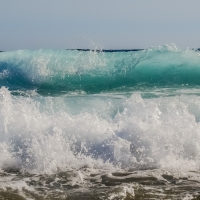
(100, 124)
(94, 72)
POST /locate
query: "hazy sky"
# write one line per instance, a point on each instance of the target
(111, 24)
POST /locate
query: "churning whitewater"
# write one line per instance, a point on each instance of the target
(73, 120)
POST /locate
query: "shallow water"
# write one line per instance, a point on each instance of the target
(95, 184)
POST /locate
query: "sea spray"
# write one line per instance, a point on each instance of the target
(145, 132)
(51, 71)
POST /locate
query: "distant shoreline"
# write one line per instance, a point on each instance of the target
(109, 50)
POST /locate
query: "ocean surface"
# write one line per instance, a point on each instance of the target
(100, 124)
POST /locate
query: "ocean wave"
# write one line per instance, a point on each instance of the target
(44, 134)
(99, 71)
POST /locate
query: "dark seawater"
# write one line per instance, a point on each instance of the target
(110, 124)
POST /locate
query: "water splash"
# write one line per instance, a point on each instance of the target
(51, 71)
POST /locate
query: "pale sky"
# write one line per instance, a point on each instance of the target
(108, 24)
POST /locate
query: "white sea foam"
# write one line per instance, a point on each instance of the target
(45, 134)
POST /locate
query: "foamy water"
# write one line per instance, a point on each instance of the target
(126, 123)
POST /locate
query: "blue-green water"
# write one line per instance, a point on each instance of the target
(97, 72)
(100, 124)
